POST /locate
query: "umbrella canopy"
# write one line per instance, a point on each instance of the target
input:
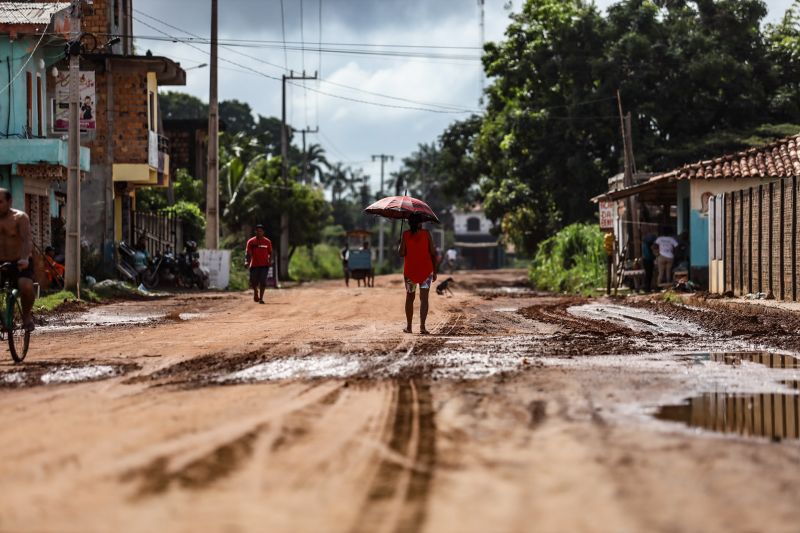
(402, 207)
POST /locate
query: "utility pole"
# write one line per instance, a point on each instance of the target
(72, 274)
(305, 155)
(631, 206)
(283, 266)
(481, 5)
(212, 179)
(384, 158)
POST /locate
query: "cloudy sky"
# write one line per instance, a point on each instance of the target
(365, 103)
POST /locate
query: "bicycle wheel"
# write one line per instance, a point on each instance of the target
(18, 338)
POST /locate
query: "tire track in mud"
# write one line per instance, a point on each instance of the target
(158, 476)
(398, 495)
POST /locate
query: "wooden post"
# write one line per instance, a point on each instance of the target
(732, 257)
(760, 236)
(769, 228)
(782, 260)
(750, 240)
(741, 242)
(794, 238)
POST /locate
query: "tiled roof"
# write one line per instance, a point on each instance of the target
(778, 159)
(29, 13)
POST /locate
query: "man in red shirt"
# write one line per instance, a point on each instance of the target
(258, 255)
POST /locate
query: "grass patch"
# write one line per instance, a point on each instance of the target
(240, 275)
(52, 302)
(671, 297)
(572, 260)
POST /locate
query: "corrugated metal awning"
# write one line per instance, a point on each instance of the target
(29, 13)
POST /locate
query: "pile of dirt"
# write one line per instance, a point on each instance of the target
(768, 326)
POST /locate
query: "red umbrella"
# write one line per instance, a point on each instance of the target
(402, 207)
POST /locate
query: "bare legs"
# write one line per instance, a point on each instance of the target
(26, 290)
(423, 310)
(409, 310)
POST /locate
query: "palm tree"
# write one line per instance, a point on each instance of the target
(316, 164)
(337, 179)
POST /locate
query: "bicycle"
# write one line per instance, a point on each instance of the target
(11, 326)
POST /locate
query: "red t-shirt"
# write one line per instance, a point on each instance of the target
(260, 251)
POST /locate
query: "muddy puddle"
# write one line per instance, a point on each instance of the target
(107, 318)
(508, 292)
(438, 359)
(634, 319)
(768, 359)
(44, 373)
(775, 416)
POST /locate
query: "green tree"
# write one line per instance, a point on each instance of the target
(177, 105)
(696, 76)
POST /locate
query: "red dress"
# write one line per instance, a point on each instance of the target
(418, 264)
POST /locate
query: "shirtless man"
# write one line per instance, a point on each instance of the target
(16, 246)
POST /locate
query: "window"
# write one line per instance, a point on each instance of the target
(29, 87)
(116, 9)
(473, 224)
(39, 106)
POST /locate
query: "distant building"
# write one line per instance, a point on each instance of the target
(477, 245)
(33, 163)
(121, 124)
(682, 196)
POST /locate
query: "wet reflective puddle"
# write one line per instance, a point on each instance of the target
(768, 359)
(776, 416)
(34, 375)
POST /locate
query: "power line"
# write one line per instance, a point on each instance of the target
(442, 108)
(325, 49)
(260, 60)
(332, 95)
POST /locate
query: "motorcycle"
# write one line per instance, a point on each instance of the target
(135, 266)
(190, 273)
(165, 268)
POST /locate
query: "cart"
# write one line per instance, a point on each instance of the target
(359, 257)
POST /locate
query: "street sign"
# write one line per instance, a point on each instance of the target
(606, 215)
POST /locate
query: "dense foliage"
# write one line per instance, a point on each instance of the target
(571, 261)
(699, 78)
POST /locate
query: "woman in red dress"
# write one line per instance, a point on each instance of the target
(419, 268)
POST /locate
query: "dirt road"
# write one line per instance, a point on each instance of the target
(316, 413)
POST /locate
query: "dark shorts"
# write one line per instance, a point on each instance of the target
(13, 273)
(258, 276)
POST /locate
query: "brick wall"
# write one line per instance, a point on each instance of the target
(97, 19)
(130, 117)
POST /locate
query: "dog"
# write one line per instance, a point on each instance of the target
(444, 286)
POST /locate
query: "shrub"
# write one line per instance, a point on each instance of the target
(572, 260)
(193, 219)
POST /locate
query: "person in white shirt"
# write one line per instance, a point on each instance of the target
(451, 255)
(666, 256)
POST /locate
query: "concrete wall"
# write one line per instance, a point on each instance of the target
(460, 223)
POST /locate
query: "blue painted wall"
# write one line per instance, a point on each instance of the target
(698, 239)
(14, 101)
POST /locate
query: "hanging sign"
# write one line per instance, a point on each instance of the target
(87, 111)
(606, 215)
